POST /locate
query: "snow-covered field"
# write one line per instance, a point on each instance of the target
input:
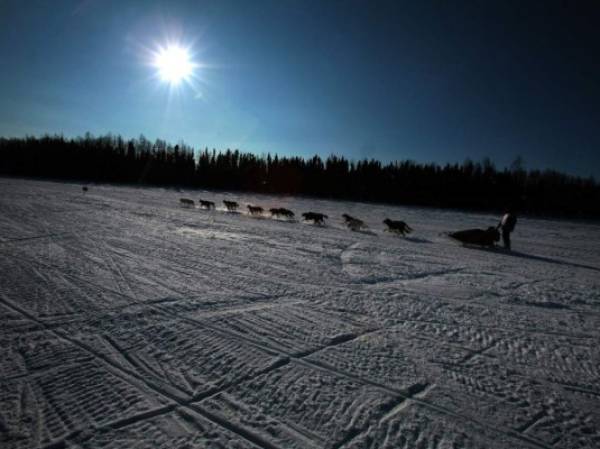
(129, 321)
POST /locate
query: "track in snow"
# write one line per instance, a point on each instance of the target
(128, 318)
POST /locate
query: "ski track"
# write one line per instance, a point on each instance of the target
(129, 320)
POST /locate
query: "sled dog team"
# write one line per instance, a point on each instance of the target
(353, 223)
(480, 237)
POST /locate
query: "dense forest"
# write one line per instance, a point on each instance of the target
(470, 185)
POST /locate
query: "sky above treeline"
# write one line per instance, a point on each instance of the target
(391, 80)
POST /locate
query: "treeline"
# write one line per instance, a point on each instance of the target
(470, 185)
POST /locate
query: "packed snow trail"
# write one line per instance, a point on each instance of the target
(128, 320)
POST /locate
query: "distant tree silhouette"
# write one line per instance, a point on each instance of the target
(470, 185)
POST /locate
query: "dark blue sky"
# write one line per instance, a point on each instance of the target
(428, 81)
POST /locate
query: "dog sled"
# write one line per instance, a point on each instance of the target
(479, 237)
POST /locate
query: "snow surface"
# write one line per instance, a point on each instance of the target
(130, 321)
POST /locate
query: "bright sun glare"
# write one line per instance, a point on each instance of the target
(174, 64)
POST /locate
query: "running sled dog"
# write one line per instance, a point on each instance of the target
(397, 226)
(353, 223)
(231, 205)
(255, 210)
(315, 217)
(281, 212)
(206, 204)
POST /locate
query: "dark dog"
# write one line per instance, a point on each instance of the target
(186, 202)
(397, 226)
(281, 212)
(347, 218)
(255, 210)
(231, 205)
(207, 204)
(354, 223)
(315, 217)
(481, 237)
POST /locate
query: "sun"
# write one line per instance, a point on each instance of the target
(174, 64)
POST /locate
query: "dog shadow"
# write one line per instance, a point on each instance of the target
(406, 237)
(364, 231)
(282, 220)
(417, 240)
(316, 225)
(228, 211)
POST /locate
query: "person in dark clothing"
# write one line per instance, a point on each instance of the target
(507, 224)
